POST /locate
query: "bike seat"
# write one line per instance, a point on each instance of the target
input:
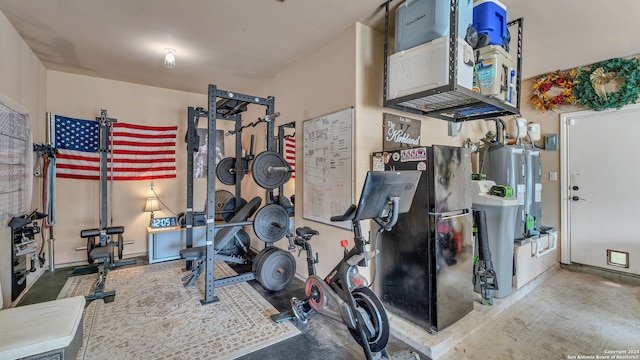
(304, 231)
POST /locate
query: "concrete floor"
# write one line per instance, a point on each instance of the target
(566, 312)
(575, 312)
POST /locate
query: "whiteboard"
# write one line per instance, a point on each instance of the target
(328, 167)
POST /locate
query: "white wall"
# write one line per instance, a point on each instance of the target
(78, 200)
(22, 87)
(320, 83)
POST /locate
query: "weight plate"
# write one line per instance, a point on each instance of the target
(259, 256)
(229, 208)
(270, 170)
(282, 200)
(222, 196)
(226, 170)
(89, 248)
(244, 239)
(120, 246)
(271, 223)
(276, 270)
(232, 247)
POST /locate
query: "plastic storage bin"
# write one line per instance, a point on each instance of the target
(500, 215)
(425, 67)
(490, 18)
(493, 72)
(420, 21)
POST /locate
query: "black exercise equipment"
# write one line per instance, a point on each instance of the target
(227, 106)
(100, 242)
(229, 208)
(344, 294)
(221, 196)
(276, 269)
(240, 245)
(259, 255)
(270, 170)
(226, 170)
(104, 255)
(284, 202)
(23, 243)
(202, 254)
(271, 223)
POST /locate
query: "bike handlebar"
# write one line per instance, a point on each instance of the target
(390, 222)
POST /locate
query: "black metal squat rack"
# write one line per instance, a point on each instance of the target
(228, 106)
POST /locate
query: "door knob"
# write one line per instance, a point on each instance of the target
(575, 188)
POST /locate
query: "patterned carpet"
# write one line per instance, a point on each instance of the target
(155, 317)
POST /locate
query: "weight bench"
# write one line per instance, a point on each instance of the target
(103, 255)
(222, 238)
(47, 330)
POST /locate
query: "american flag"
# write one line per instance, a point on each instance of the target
(290, 154)
(139, 152)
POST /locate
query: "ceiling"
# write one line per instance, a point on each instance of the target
(238, 44)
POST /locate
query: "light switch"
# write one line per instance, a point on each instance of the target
(553, 176)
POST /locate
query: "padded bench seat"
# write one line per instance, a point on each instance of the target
(101, 252)
(48, 330)
(194, 253)
(224, 235)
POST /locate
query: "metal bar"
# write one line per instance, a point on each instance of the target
(52, 265)
(283, 152)
(104, 150)
(270, 125)
(519, 22)
(104, 147)
(211, 191)
(238, 184)
(453, 44)
(235, 279)
(192, 124)
(385, 71)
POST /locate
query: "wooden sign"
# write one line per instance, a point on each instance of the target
(400, 132)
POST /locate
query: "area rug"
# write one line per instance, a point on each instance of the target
(155, 317)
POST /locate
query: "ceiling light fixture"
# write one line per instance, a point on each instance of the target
(170, 58)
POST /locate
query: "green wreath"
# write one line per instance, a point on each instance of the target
(589, 84)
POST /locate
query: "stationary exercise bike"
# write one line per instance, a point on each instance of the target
(344, 295)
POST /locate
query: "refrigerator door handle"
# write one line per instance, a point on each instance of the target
(450, 214)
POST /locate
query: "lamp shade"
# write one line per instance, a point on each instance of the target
(151, 205)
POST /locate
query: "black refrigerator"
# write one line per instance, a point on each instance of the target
(424, 269)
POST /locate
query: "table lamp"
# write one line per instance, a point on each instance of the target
(151, 205)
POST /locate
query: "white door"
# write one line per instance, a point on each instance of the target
(603, 193)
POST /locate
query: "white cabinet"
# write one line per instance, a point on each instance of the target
(165, 243)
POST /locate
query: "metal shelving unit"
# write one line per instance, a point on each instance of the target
(452, 102)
